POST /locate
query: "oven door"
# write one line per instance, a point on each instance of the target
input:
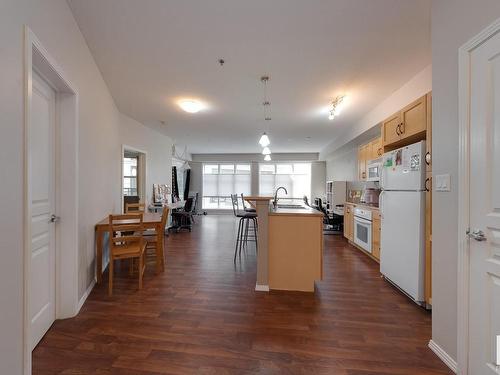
(363, 233)
(373, 171)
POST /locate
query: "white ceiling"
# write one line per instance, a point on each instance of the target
(153, 52)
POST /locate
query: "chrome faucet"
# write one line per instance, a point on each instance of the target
(275, 201)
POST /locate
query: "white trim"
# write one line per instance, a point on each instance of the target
(85, 295)
(66, 170)
(443, 356)
(261, 288)
(463, 193)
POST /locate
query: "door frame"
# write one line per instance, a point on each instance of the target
(67, 304)
(464, 194)
(142, 163)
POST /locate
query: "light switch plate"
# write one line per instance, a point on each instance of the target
(442, 182)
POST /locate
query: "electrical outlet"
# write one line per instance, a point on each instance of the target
(442, 182)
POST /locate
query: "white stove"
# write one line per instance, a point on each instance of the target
(363, 228)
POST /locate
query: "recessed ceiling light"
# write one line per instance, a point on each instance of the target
(191, 106)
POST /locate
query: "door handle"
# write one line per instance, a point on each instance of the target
(428, 158)
(54, 218)
(426, 181)
(398, 130)
(476, 234)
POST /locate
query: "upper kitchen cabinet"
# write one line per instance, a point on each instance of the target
(363, 156)
(407, 126)
(376, 149)
(366, 152)
(414, 118)
(390, 129)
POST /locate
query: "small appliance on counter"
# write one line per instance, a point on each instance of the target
(370, 196)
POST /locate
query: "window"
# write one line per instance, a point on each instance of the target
(130, 176)
(295, 177)
(222, 180)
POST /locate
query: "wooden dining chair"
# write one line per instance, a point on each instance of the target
(131, 208)
(152, 241)
(126, 242)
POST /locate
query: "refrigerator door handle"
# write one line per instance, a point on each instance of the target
(381, 203)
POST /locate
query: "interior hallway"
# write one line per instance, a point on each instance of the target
(203, 316)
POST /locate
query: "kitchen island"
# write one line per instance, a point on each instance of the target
(290, 253)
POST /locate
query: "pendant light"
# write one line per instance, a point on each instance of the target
(267, 158)
(264, 140)
(266, 151)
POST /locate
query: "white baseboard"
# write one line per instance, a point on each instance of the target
(443, 356)
(85, 295)
(261, 288)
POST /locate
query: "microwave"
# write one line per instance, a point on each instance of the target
(374, 170)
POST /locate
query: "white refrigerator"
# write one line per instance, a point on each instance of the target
(402, 207)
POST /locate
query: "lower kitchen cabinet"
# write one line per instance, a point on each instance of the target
(349, 222)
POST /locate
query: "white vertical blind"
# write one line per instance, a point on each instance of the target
(295, 177)
(222, 180)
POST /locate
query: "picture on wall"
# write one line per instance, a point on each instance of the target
(161, 192)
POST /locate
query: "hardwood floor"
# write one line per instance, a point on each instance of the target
(202, 316)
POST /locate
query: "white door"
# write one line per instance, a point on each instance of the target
(484, 296)
(42, 184)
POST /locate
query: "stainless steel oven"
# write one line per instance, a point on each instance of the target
(363, 228)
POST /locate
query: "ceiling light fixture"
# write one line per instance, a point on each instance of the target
(336, 107)
(264, 140)
(191, 106)
(266, 151)
(267, 158)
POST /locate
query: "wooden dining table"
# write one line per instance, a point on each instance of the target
(151, 220)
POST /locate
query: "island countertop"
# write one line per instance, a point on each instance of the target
(306, 211)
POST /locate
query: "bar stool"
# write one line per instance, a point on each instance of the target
(245, 208)
(243, 227)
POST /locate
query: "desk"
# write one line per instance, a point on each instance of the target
(150, 221)
(171, 206)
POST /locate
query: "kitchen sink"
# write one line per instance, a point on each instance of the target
(294, 206)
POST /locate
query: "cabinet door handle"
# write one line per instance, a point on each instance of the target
(428, 158)
(379, 151)
(397, 130)
(402, 128)
(427, 180)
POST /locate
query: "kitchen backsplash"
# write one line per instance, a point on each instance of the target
(355, 189)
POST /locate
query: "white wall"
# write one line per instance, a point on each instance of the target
(318, 179)
(255, 157)
(454, 22)
(342, 164)
(99, 151)
(416, 87)
(158, 148)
